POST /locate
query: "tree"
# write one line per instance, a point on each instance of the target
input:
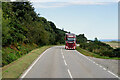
(81, 38)
(96, 40)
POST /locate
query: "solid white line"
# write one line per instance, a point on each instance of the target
(70, 74)
(33, 64)
(65, 62)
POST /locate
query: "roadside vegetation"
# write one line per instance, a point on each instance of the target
(98, 49)
(16, 68)
(24, 30)
(13, 52)
(91, 54)
(81, 38)
(114, 44)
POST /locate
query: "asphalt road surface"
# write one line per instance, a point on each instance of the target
(56, 62)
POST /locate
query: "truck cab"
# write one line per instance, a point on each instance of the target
(70, 41)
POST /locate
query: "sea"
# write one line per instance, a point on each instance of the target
(108, 40)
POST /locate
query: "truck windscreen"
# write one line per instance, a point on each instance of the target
(70, 39)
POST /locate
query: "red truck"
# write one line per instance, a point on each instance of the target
(70, 41)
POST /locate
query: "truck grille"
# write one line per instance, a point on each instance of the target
(70, 45)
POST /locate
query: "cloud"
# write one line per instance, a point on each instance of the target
(50, 4)
(60, 3)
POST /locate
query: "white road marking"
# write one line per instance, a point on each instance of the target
(63, 56)
(113, 74)
(61, 51)
(100, 66)
(70, 74)
(104, 68)
(65, 62)
(93, 62)
(97, 64)
(89, 59)
(66, 65)
(33, 64)
(82, 55)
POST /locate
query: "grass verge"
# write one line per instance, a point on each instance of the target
(87, 53)
(14, 52)
(16, 68)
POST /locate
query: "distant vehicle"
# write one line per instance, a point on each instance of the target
(70, 41)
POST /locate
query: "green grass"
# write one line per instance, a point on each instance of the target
(16, 68)
(12, 52)
(87, 53)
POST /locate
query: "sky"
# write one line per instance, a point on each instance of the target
(94, 18)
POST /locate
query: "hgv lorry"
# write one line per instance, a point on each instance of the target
(70, 41)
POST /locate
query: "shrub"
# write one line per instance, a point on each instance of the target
(9, 55)
(117, 52)
(100, 48)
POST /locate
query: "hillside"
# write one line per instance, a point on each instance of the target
(24, 29)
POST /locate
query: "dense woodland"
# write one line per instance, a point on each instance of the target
(22, 24)
(24, 29)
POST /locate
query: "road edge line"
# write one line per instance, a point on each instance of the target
(99, 65)
(30, 67)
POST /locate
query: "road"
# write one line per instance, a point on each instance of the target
(56, 62)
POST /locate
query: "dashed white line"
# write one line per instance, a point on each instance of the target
(63, 56)
(93, 62)
(100, 66)
(104, 68)
(97, 64)
(65, 62)
(66, 65)
(113, 74)
(61, 51)
(89, 59)
(70, 74)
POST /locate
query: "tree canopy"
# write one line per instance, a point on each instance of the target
(81, 38)
(22, 24)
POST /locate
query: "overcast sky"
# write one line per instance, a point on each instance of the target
(94, 18)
